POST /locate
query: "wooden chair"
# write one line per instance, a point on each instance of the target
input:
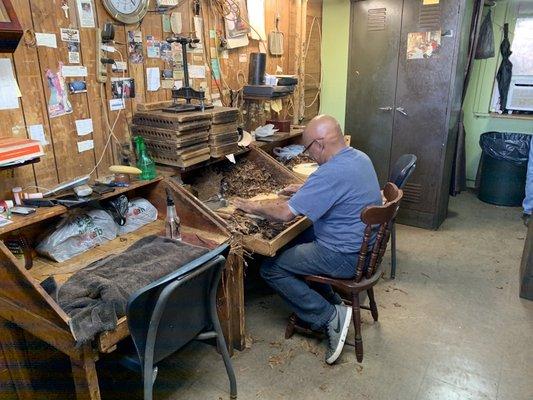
(368, 269)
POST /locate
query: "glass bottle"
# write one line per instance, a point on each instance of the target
(144, 162)
(172, 222)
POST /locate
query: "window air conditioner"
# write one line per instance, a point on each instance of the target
(520, 93)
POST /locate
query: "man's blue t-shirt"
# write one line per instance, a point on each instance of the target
(334, 196)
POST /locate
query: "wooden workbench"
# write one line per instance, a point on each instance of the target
(26, 306)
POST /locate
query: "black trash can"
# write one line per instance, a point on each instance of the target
(503, 168)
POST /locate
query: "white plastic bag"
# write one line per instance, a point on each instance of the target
(78, 233)
(140, 213)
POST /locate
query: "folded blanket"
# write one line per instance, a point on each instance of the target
(96, 297)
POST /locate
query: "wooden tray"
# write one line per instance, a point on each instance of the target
(286, 177)
(160, 134)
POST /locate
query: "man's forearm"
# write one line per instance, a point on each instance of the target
(273, 210)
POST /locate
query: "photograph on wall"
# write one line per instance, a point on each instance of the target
(135, 47)
(70, 35)
(123, 88)
(235, 25)
(73, 52)
(166, 52)
(86, 13)
(422, 45)
(58, 102)
(153, 47)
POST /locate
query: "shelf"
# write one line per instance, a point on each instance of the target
(12, 166)
(265, 98)
(524, 117)
(44, 213)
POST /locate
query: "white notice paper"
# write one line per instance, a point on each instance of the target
(119, 66)
(86, 145)
(197, 71)
(153, 79)
(9, 88)
(117, 104)
(70, 35)
(256, 16)
(37, 133)
(86, 13)
(70, 71)
(46, 40)
(84, 126)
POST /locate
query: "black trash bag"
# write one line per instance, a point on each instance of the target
(118, 208)
(505, 146)
(485, 42)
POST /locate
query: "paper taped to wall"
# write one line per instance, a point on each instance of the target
(86, 145)
(84, 126)
(9, 88)
(37, 133)
(46, 40)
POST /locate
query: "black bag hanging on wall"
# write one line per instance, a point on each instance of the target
(485, 44)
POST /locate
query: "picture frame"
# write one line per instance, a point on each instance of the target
(10, 29)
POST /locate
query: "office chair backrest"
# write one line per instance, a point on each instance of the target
(169, 313)
(402, 170)
(379, 217)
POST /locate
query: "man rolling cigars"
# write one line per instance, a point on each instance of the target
(332, 198)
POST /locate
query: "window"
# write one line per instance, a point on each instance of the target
(520, 94)
(522, 46)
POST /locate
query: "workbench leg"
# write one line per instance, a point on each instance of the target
(85, 377)
(237, 299)
(13, 348)
(224, 311)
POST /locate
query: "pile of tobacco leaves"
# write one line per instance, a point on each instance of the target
(245, 179)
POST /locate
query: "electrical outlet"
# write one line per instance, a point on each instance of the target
(101, 69)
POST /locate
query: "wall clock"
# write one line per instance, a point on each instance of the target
(127, 11)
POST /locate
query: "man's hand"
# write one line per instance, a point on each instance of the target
(291, 189)
(245, 205)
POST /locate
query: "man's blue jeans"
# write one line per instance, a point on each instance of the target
(528, 201)
(285, 272)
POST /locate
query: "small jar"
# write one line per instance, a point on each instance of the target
(17, 195)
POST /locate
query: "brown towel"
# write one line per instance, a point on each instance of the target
(97, 296)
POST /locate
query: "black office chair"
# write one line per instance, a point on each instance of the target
(401, 171)
(171, 312)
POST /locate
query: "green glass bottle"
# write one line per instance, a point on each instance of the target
(144, 162)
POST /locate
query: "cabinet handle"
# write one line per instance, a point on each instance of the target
(401, 110)
(385, 108)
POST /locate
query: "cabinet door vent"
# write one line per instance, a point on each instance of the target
(377, 19)
(429, 17)
(412, 192)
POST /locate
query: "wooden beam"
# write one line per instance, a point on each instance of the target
(85, 377)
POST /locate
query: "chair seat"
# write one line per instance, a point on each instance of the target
(347, 285)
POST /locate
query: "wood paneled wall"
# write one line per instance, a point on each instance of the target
(62, 160)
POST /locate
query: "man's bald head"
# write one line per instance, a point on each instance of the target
(328, 133)
(324, 127)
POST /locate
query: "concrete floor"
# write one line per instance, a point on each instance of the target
(451, 327)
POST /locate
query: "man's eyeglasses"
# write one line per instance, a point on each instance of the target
(309, 146)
